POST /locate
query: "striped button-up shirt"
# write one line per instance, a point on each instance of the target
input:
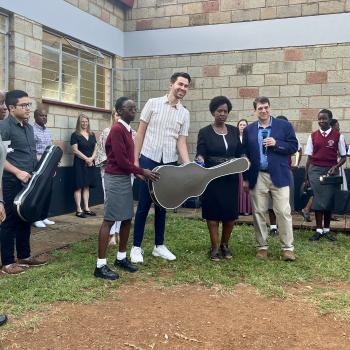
(165, 124)
(42, 138)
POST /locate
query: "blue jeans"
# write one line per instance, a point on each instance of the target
(143, 207)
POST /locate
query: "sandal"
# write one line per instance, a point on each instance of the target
(89, 212)
(80, 214)
(225, 251)
(214, 254)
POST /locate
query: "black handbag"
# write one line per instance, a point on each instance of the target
(306, 191)
(331, 180)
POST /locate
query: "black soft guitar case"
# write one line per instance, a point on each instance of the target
(29, 203)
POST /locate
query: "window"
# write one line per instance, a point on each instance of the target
(3, 52)
(75, 73)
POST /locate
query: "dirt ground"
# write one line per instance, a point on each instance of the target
(148, 316)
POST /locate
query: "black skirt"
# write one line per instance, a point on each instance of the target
(84, 176)
(220, 199)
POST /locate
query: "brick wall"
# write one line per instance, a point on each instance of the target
(25, 56)
(299, 81)
(155, 14)
(109, 11)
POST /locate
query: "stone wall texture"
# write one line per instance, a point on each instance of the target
(155, 14)
(299, 82)
(109, 11)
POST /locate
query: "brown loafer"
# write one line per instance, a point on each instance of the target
(261, 254)
(32, 262)
(288, 255)
(12, 269)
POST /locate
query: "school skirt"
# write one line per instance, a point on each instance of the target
(119, 204)
(323, 194)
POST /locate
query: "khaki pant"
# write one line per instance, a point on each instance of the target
(280, 204)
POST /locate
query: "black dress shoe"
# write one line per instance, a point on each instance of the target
(329, 236)
(3, 319)
(316, 236)
(89, 213)
(106, 273)
(80, 214)
(125, 264)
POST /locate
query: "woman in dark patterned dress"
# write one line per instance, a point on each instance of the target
(217, 143)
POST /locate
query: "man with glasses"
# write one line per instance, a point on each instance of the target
(19, 164)
(268, 142)
(42, 138)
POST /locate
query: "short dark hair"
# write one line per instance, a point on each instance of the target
(328, 112)
(119, 103)
(332, 122)
(176, 75)
(242, 120)
(12, 97)
(282, 117)
(41, 107)
(218, 101)
(261, 100)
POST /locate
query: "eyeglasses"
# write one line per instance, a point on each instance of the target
(25, 105)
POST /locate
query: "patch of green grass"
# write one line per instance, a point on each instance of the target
(69, 277)
(331, 300)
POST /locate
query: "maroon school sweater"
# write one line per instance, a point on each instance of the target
(325, 149)
(120, 152)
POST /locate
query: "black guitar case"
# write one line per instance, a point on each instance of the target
(29, 203)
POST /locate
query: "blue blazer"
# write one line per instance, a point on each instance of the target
(277, 157)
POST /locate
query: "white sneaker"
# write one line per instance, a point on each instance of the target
(48, 222)
(136, 255)
(163, 252)
(39, 224)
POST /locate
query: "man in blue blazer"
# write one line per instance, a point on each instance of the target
(268, 142)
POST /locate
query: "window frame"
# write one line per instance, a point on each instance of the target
(6, 51)
(79, 59)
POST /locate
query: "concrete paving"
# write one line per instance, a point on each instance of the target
(70, 229)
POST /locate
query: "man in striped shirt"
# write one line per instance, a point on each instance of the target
(160, 138)
(42, 137)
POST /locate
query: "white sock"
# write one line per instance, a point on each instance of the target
(319, 230)
(101, 262)
(273, 227)
(326, 230)
(121, 255)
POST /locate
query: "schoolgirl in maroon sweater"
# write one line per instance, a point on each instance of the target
(323, 148)
(119, 199)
